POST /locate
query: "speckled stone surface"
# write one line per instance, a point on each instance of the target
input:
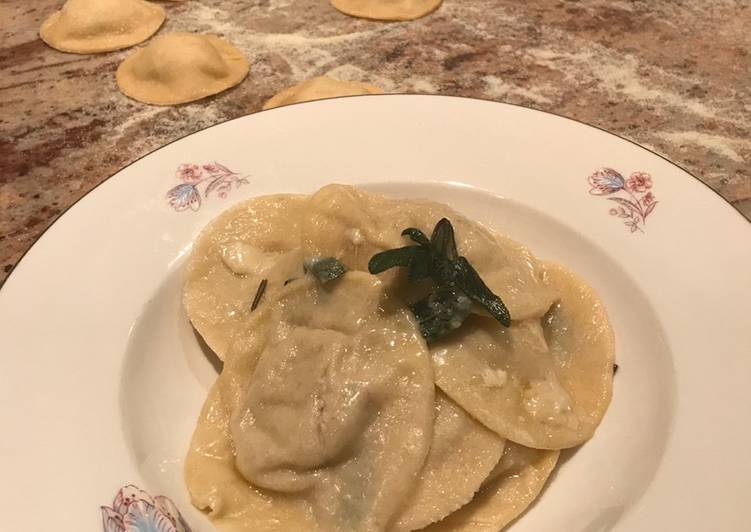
(672, 76)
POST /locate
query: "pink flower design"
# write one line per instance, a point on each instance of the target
(639, 182)
(216, 169)
(211, 177)
(134, 510)
(189, 173)
(212, 168)
(605, 181)
(632, 205)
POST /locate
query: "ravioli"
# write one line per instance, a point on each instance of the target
(331, 397)
(255, 240)
(353, 225)
(216, 486)
(387, 9)
(319, 88)
(541, 384)
(91, 26)
(462, 455)
(514, 485)
(333, 414)
(178, 68)
(580, 337)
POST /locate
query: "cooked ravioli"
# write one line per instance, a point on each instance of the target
(255, 240)
(319, 88)
(387, 9)
(332, 400)
(578, 332)
(331, 412)
(91, 26)
(515, 483)
(462, 455)
(545, 385)
(353, 225)
(178, 68)
(218, 488)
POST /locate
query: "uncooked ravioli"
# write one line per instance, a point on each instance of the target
(332, 396)
(181, 67)
(319, 88)
(255, 240)
(462, 454)
(515, 484)
(90, 26)
(387, 9)
(353, 225)
(544, 385)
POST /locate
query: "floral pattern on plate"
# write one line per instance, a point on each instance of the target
(134, 510)
(210, 177)
(633, 198)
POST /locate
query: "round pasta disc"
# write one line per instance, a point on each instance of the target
(331, 401)
(462, 454)
(514, 484)
(217, 487)
(253, 241)
(319, 88)
(353, 225)
(91, 26)
(540, 383)
(178, 68)
(387, 9)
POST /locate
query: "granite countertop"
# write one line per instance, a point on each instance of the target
(672, 76)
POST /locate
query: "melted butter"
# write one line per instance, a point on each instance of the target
(244, 259)
(494, 378)
(547, 400)
(355, 236)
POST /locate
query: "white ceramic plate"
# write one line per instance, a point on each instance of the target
(101, 376)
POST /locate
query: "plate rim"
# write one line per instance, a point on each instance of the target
(252, 113)
(558, 200)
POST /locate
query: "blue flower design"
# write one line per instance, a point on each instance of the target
(134, 510)
(606, 181)
(631, 198)
(184, 196)
(211, 178)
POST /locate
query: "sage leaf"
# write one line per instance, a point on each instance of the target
(325, 269)
(391, 258)
(441, 312)
(467, 278)
(421, 266)
(442, 240)
(456, 284)
(417, 236)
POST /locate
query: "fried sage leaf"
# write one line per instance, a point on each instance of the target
(324, 269)
(472, 284)
(417, 258)
(442, 240)
(417, 236)
(441, 312)
(456, 283)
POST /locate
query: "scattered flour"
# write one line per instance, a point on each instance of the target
(716, 143)
(497, 88)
